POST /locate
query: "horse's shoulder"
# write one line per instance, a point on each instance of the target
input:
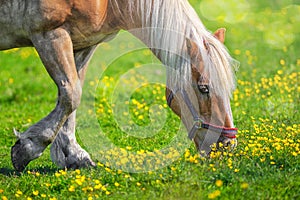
(55, 10)
(93, 11)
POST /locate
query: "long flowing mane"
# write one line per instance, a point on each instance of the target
(168, 23)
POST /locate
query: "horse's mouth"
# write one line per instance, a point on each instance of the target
(207, 140)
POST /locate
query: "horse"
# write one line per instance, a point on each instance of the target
(65, 34)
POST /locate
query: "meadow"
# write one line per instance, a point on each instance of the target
(139, 145)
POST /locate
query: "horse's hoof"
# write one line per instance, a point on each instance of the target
(73, 158)
(84, 163)
(18, 158)
(22, 154)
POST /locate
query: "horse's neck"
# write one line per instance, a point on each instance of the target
(159, 29)
(135, 16)
(125, 13)
(127, 16)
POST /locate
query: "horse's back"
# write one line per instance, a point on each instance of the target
(20, 19)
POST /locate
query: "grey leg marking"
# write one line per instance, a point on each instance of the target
(65, 151)
(56, 52)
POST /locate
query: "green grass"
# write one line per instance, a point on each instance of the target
(265, 165)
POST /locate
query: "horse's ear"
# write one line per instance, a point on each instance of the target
(192, 48)
(17, 134)
(220, 34)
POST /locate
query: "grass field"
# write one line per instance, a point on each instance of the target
(140, 150)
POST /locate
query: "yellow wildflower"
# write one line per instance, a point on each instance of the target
(219, 183)
(71, 188)
(244, 185)
(4, 198)
(35, 193)
(214, 194)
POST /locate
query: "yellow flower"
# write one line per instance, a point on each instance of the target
(100, 164)
(62, 172)
(214, 195)
(294, 153)
(244, 185)
(71, 188)
(191, 159)
(219, 183)
(103, 188)
(282, 62)
(124, 161)
(98, 186)
(237, 52)
(10, 80)
(35, 193)
(127, 176)
(4, 198)
(18, 193)
(248, 53)
(117, 184)
(78, 181)
(47, 184)
(107, 169)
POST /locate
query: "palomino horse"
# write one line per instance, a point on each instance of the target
(65, 34)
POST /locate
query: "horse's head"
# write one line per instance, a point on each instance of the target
(211, 120)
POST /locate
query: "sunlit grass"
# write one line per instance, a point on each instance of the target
(265, 105)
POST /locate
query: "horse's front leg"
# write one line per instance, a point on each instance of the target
(56, 52)
(65, 151)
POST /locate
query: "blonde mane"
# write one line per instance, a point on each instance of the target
(168, 24)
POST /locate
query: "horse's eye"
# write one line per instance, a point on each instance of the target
(203, 89)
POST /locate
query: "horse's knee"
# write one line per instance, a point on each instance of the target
(70, 96)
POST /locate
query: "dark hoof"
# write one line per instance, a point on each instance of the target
(19, 160)
(84, 163)
(23, 152)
